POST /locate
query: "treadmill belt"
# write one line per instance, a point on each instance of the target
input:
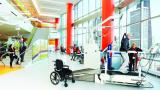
(120, 73)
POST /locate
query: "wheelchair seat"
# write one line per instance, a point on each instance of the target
(62, 72)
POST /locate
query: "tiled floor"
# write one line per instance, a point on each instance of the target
(35, 76)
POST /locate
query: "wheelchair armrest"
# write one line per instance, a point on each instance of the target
(65, 66)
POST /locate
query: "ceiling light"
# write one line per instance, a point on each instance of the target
(26, 13)
(34, 19)
(57, 9)
(56, 2)
(50, 15)
(36, 5)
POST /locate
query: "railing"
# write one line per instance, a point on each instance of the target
(151, 65)
(2, 57)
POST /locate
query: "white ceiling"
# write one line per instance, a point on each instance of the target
(10, 18)
(51, 8)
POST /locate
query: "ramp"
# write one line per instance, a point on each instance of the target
(85, 74)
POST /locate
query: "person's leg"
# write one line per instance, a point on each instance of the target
(16, 57)
(125, 62)
(130, 66)
(133, 64)
(22, 57)
(11, 61)
(72, 56)
(137, 63)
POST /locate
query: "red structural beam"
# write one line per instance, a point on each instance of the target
(69, 27)
(107, 33)
(56, 44)
(57, 39)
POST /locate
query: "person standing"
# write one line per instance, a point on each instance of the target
(133, 57)
(22, 50)
(12, 54)
(124, 48)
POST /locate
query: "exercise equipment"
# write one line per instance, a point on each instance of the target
(133, 78)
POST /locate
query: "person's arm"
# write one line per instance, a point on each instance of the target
(138, 49)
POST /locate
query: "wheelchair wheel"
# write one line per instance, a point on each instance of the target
(139, 84)
(66, 85)
(73, 81)
(55, 78)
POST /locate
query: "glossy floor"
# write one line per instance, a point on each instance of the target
(35, 76)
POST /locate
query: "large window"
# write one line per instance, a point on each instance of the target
(131, 21)
(154, 6)
(63, 20)
(155, 30)
(76, 12)
(79, 30)
(92, 5)
(85, 7)
(98, 3)
(138, 19)
(79, 9)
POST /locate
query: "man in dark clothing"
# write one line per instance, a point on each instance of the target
(133, 57)
(125, 42)
(124, 48)
(22, 51)
(12, 55)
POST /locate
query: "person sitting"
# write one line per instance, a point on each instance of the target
(62, 49)
(133, 57)
(74, 52)
(78, 53)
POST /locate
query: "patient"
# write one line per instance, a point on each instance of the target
(133, 57)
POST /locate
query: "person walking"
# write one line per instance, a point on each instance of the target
(12, 55)
(22, 50)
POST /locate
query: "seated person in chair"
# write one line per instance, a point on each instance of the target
(62, 49)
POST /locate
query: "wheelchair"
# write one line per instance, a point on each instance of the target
(61, 73)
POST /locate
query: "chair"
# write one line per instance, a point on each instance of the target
(61, 73)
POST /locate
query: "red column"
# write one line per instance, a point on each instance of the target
(56, 22)
(56, 44)
(56, 40)
(69, 27)
(107, 33)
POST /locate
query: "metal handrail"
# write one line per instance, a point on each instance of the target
(151, 59)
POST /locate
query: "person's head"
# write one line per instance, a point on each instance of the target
(77, 48)
(129, 36)
(133, 45)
